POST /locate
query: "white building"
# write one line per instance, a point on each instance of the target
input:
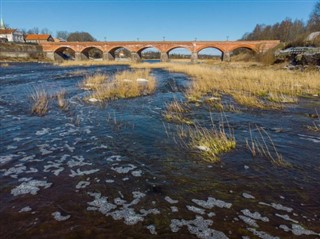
(10, 35)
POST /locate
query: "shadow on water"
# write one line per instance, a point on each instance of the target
(96, 170)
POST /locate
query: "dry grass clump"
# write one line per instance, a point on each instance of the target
(209, 143)
(94, 82)
(265, 147)
(40, 100)
(4, 64)
(62, 103)
(175, 113)
(253, 87)
(316, 124)
(126, 84)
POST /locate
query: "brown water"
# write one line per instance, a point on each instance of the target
(116, 170)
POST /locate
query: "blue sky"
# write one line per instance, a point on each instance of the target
(153, 20)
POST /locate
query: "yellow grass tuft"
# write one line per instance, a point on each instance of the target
(126, 84)
(40, 101)
(174, 113)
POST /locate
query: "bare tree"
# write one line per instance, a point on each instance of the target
(314, 20)
(62, 35)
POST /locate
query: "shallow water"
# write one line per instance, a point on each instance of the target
(116, 170)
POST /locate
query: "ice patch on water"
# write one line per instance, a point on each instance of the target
(196, 210)
(247, 196)
(81, 173)
(109, 181)
(29, 158)
(25, 209)
(43, 131)
(14, 171)
(57, 216)
(32, 187)
(136, 173)
(124, 169)
(298, 230)
(170, 200)
(82, 184)
(261, 234)
(277, 206)
(286, 217)
(249, 221)
(198, 227)
(11, 147)
(255, 215)
(212, 202)
(152, 229)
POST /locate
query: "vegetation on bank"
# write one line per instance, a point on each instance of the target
(127, 84)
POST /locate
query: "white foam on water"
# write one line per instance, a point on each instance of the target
(71, 149)
(25, 209)
(124, 169)
(251, 222)
(298, 230)
(170, 200)
(152, 229)
(81, 173)
(114, 158)
(14, 171)
(212, 202)
(255, 215)
(196, 210)
(29, 158)
(136, 173)
(7, 158)
(57, 216)
(247, 196)
(109, 181)
(125, 212)
(261, 234)
(198, 227)
(277, 206)
(43, 149)
(43, 131)
(174, 209)
(211, 214)
(311, 138)
(82, 184)
(125, 179)
(286, 217)
(11, 147)
(77, 161)
(32, 187)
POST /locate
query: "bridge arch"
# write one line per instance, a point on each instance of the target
(120, 52)
(181, 52)
(64, 53)
(209, 52)
(92, 52)
(242, 53)
(153, 54)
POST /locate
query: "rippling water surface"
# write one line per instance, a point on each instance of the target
(117, 170)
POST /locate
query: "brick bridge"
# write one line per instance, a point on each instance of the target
(81, 50)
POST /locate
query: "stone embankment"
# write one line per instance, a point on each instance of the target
(21, 52)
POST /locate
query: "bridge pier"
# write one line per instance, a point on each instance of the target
(226, 56)
(164, 57)
(107, 56)
(194, 57)
(79, 56)
(135, 57)
(50, 55)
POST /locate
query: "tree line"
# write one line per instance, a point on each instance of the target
(288, 30)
